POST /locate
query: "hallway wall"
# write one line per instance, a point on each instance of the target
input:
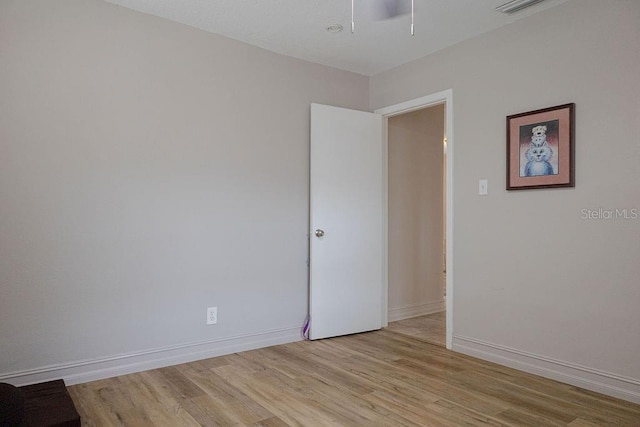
(416, 162)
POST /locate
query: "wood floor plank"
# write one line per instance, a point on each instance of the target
(87, 401)
(461, 415)
(381, 378)
(430, 328)
(580, 396)
(228, 398)
(582, 423)
(319, 367)
(416, 414)
(541, 401)
(519, 418)
(271, 422)
(156, 408)
(192, 400)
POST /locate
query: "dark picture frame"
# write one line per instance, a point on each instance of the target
(541, 148)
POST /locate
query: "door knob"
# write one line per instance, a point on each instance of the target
(319, 233)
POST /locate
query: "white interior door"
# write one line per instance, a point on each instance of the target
(346, 239)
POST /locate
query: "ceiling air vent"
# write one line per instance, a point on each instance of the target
(516, 6)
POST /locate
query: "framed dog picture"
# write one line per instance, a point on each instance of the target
(540, 148)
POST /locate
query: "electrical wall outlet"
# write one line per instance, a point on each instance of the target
(212, 315)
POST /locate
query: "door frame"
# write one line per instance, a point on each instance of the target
(444, 97)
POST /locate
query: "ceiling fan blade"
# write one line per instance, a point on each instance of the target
(388, 9)
(383, 9)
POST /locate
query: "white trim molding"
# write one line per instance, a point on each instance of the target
(410, 311)
(107, 367)
(570, 373)
(444, 97)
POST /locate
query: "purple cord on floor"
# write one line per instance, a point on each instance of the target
(305, 328)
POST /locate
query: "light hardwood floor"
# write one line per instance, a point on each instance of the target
(430, 328)
(379, 378)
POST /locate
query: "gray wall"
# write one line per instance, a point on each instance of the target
(148, 170)
(531, 277)
(416, 232)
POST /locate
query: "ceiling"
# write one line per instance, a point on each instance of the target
(297, 28)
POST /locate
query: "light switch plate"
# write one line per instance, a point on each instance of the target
(483, 187)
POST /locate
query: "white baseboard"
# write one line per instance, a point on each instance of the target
(408, 312)
(91, 370)
(570, 373)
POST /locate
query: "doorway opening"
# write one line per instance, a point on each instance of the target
(418, 176)
(416, 224)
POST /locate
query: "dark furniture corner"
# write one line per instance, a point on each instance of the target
(39, 405)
